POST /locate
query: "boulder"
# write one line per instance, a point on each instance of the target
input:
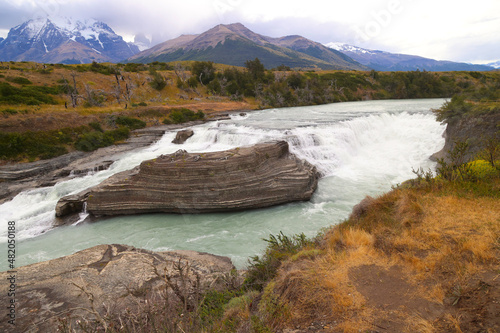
(182, 136)
(106, 281)
(258, 176)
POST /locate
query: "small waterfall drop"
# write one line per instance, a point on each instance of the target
(83, 215)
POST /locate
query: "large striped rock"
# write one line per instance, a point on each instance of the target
(258, 176)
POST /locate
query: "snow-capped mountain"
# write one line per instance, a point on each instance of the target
(64, 40)
(386, 61)
(495, 64)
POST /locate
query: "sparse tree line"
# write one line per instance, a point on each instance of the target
(279, 87)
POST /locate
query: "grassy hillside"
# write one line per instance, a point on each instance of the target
(55, 106)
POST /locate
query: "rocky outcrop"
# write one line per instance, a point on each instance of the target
(259, 176)
(182, 136)
(27, 170)
(106, 280)
(475, 130)
(71, 204)
(22, 176)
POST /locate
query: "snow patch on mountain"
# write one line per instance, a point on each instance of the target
(495, 64)
(40, 39)
(342, 47)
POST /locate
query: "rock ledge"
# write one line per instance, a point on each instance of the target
(258, 176)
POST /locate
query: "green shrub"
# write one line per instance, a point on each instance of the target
(279, 248)
(92, 141)
(481, 169)
(453, 109)
(158, 81)
(179, 116)
(31, 145)
(95, 139)
(103, 69)
(131, 123)
(133, 67)
(96, 126)
(45, 71)
(7, 112)
(28, 95)
(203, 71)
(18, 80)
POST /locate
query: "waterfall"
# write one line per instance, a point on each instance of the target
(360, 148)
(83, 215)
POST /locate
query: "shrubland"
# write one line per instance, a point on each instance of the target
(38, 99)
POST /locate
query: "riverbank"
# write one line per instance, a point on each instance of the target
(18, 177)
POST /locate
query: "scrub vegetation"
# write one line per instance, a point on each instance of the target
(37, 101)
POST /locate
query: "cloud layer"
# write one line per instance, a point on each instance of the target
(437, 29)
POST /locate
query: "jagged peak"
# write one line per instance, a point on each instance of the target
(67, 25)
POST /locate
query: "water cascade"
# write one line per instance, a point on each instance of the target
(360, 148)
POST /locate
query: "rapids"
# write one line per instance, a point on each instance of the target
(360, 148)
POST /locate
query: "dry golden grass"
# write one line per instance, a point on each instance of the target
(428, 245)
(35, 117)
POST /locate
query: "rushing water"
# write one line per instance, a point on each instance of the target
(360, 148)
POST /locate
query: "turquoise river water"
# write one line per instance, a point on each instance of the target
(360, 148)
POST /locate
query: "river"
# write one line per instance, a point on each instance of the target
(360, 148)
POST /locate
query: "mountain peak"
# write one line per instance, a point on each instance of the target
(386, 61)
(234, 44)
(39, 39)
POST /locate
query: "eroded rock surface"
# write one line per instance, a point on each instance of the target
(475, 130)
(242, 178)
(104, 278)
(182, 136)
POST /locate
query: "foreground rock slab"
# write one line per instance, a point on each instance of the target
(258, 176)
(105, 280)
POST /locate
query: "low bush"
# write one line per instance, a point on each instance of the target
(131, 123)
(30, 145)
(18, 80)
(158, 81)
(262, 269)
(179, 116)
(96, 139)
(7, 112)
(27, 95)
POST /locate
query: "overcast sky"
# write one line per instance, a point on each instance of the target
(438, 29)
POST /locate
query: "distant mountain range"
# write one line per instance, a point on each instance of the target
(64, 40)
(495, 64)
(385, 61)
(233, 44)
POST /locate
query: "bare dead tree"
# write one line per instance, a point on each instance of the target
(74, 91)
(71, 91)
(180, 72)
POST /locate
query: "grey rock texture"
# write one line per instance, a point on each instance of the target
(474, 130)
(182, 136)
(105, 280)
(258, 176)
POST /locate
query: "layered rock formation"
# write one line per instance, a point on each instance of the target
(106, 280)
(242, 178)
(475, 130)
